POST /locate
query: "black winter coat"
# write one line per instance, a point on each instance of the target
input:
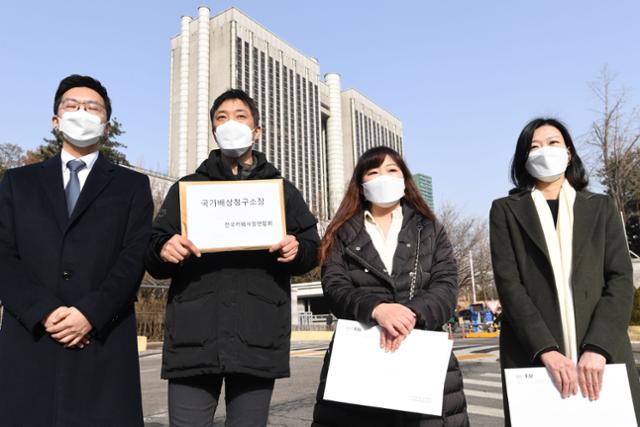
(230, 312)
(601, 282)
(93, 261)
(354, 281)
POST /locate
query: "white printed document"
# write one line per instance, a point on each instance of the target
(411, 379)
(233, 215)
(535, 401)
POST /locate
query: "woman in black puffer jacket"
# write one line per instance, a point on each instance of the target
(370, 274)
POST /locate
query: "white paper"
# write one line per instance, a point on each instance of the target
(238, 215)
(534, 400)
(411, 379)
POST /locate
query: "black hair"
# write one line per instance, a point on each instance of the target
(76, 80)
(575, 172)
(236, 94)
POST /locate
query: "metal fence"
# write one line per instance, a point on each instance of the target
(150, 309)
(307, 321)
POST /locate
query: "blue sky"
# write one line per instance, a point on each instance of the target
(463, 76)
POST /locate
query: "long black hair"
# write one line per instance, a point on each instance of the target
(575, 173)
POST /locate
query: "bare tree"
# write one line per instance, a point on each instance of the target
(158, 193)
(470, 239)
(11, 156)
(614, 138)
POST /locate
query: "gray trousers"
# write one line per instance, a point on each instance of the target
(193, 400)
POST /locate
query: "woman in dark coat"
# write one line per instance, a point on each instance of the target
(562, 268)
(368, 262)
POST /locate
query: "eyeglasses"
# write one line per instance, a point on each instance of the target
(70, 104)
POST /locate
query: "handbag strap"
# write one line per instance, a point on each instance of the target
(414, 274)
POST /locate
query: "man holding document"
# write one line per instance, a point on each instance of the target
(229, 315)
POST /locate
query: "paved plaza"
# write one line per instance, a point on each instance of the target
(293, 398)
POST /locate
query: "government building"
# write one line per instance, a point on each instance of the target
(313, 130)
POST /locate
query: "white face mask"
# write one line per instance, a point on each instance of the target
(384, 191)
(80, 128)
(234, 138)
(548, 163)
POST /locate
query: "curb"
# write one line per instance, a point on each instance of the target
(482, 335)
(311, 335)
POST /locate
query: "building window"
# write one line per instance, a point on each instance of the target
(357, 135)
(263, 99)
(239, 70)
(292, 129)
(271, 109)
(369, 134)
(254, 89)
(246, 67)
(298, 141)
(278, 125)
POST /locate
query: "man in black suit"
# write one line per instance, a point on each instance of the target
(73, 232)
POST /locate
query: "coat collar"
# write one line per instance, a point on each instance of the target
(216, 168)
(51, 180)
(353, 230)
(100, 175)
(523, 208)
(357, 241)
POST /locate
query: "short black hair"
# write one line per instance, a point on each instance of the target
(575, 172)
(76, 80)
(236, 94)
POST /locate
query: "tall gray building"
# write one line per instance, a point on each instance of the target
(425, 185)
(311, 130)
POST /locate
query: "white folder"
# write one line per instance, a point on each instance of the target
(534, 400)
(410, 379)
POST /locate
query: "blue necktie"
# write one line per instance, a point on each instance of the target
(73, 186)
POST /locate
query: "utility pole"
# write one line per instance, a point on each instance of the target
(473, 280)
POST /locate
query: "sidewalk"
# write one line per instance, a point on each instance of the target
(154, 348)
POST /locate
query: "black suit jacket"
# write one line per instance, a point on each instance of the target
(92, 260)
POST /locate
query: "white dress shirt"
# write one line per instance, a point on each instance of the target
(386, 247)
(83, 173)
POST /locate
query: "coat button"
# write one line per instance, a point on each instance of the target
(408, 245)
(366, 270)
(357, 248)
(66, 275)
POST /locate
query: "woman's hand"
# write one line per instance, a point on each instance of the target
(397, 321)
(563, 372)
(590, 372)
(389, 343)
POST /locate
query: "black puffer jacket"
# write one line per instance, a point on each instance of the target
(354, 281)
(230, 312)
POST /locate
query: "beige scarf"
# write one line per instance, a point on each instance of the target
(559, 244)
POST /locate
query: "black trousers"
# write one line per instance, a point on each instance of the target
(193, 400)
